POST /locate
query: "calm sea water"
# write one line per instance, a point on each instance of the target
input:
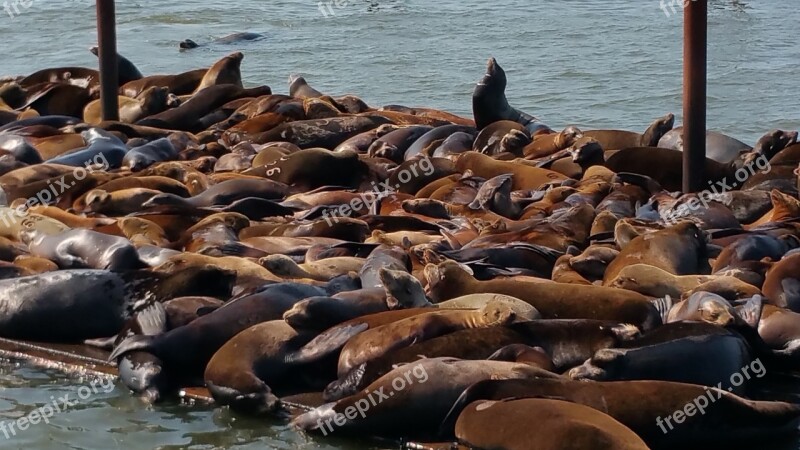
(586, 62)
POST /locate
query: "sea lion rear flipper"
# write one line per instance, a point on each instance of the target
(132, 343)
(750, 311)
(152, 319)
(663, 305)
(204, 310)
(104, 343)
(326, 343)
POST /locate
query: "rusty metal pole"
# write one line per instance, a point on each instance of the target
(695, 57)
(107, 52)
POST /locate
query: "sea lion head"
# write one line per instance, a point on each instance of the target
(402, 289)
(586, 152)
(497, 314)
(773, 142)
(568, 136)
(35, 225)
(95, 199)
(712, 308)
(280, 265)
(657, 130)
(187, 44)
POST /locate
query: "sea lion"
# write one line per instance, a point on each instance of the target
(234, 38)
(617, 139)
(224, 193)
(778, 329)
(185, 351)
(548, 144)
(489, 102)
(706, 355)
(378, 341)
(117, 203)
(504, 425)
(429, 389)
(325, 133)
(719, 147)
(503, 136)
(186, 117)
(20, 149)
(184, 310)
(724, 418)
(298, 87)
(312, 168)
(680, 250)
(706, 307)
(79, 248)
(142, 232)
(126, 70)
(103, 148)
(148, 154)
(394, 145)
(180, 84)
(524, 177)
(654, 282)
(448, 280)
(322, 270)
(99, 301)
(566, 343)
(242, 371)
(152, 100)
(782, 284)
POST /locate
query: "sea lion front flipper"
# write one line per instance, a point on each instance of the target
(750, 311)
(326, 343)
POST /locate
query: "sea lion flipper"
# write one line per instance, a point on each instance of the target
(663, 305)
(132, 343)
(326, 343)
(152, 319)
(750, 311)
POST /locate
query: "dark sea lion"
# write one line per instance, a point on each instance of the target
(180, 84)
(379, 260)
(234, 38)
(782, 284)
(321, 313)
(489, 102)
(184, 310)
(80, 248)
(617, 139)
(242, 371)
(313, 168)
(430, 387)
(719, 147)
(436, 134)
(104, 148)
(504, 425)
(298, 87)
(663, 165)
(723, 419)
(58, 99)
(754, 248)
(680, 250)
(707, 356)
(455, 144)
(186, 117)
(564, 301)
(502, 136)
(99, 300)
(185, 351)
(376, 342)
(148, 154)
(361, 142)
(126, 70)
(325, 133)
(20, 149)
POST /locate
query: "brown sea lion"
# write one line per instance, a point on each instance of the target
(706, 307)
(680, 250)
(502, 136)
(143, 232)
(225, 71)
(322, 270)
(152, 100)
(241, 372)
(782, 284)
(504, 425)
(378, 341)
(713, 417)
(565, 301)
(429, 388)
(524, 177)
(617, 139)
(547, 144)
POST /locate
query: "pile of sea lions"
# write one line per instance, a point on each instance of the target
(535, 277)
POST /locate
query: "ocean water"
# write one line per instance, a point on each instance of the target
(592, 63)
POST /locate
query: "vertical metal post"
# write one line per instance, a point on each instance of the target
(107, 52)
(695, 54)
